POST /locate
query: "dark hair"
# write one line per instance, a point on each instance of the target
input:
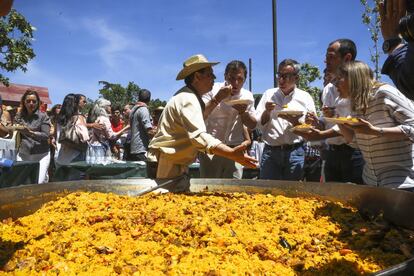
(144, 96)
(69, 109)
(53, 110)
(115, 108)
(346, 46)
(290, 62)
(235, 65)
(78, 97)
(22, 101)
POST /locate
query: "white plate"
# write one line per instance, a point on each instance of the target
(238, 101)
(338, 121)
(289, 112)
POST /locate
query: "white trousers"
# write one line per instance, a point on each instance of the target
(44, 161)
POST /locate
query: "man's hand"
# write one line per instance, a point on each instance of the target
(223, 93)
(391, 14)
(313, 120)
(270, 106)
(241, 157)
(328, 112)
(241, 108)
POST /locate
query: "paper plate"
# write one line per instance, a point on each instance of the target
(301, 128)
(350, 121)
(289, 112)
(238, 101)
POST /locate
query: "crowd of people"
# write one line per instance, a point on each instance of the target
(214, 122)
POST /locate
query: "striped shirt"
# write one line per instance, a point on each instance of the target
(388, 161)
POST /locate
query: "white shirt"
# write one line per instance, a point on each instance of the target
(329, 95)
(331, 98)
(224, 122)
(276, 131)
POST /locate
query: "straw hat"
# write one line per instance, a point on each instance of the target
(193, 64)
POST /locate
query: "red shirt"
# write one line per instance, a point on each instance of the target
(117, 127)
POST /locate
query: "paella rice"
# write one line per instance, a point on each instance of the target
(200, 234)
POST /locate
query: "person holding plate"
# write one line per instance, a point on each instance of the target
(385, 133)
(278, 111)
(228, 115)
(342, 162)
(182, 132)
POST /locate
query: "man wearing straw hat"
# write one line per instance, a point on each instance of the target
(182, 131)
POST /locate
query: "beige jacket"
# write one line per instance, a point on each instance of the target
(181, 131)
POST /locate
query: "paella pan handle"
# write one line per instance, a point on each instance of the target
(405, 268)
(171, 181)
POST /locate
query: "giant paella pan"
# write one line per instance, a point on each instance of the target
(223, 227)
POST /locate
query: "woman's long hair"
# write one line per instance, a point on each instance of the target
(68, 110)
(99, 109)
(24, 112)
(361, 84)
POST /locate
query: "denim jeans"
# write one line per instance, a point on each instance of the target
(282, 164)
(343, 164)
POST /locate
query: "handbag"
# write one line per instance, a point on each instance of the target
(72, 137)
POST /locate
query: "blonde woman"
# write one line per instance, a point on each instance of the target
(385, 132)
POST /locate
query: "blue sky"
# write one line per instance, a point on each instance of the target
(78, 43)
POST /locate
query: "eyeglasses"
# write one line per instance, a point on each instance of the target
(286, 76)
(31, 101)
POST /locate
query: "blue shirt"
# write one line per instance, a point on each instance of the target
(399, 66)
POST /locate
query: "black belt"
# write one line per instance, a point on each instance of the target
(287, 146)
(339, 147)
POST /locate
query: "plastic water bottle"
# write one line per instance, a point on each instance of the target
(88, 155)
(5, 164)
(99, 155)
(92, 154)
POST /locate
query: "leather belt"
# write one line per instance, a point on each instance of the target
(289, 147)
(340, 147)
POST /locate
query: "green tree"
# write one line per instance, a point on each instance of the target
(307, 75)
(117, 94)
(16, 36)
(156, 103)
(371, 18)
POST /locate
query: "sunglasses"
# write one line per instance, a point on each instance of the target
(31, 101)
(285, 76)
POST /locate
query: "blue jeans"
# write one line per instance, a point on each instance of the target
(343, 164)
(282, 164)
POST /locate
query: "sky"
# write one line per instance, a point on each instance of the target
(78, 43)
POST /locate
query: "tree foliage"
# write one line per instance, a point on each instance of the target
(307, 75)
(117, 94)
(371, 18)
(16, 36)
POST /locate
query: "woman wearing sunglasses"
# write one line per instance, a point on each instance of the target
(34, 134)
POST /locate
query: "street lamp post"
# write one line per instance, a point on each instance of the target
(275, 63)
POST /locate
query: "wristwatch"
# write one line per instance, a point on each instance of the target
(390, 44)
